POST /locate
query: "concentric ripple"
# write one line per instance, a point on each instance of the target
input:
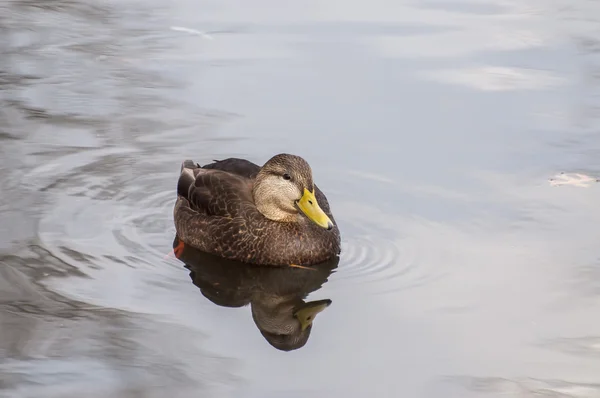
(374, 259)
(113, 222)
(382, 251)
(380, 261)
(111, 215)
(115, 225)
(148, 229)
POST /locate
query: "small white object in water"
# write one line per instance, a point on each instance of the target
(576, 179)
(192, 31)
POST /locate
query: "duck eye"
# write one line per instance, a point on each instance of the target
(286, 176)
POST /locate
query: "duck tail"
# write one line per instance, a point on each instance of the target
(189, 164)
(186, 178)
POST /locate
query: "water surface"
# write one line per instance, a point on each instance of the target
(432, 126)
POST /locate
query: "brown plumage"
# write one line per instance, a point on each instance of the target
(237, 210)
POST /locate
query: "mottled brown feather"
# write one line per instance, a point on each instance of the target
(217, 214)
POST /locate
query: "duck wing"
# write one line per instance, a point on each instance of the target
(213, 192)
(241, 167)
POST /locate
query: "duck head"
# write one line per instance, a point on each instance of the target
(284, 188)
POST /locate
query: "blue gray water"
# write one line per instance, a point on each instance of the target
(432, 126)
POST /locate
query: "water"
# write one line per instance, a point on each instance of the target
(433, 127)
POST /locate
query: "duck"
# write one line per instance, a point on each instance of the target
(273, 215)
(276, 295)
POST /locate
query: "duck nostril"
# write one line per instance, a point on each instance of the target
(310, 201)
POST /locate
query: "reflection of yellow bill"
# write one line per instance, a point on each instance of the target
(309, 311)
(309, 206)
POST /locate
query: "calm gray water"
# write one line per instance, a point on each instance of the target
(432, 126)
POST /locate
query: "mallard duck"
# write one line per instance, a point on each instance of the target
(276, 295)
(269, 215)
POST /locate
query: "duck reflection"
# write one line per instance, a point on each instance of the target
(276, 295)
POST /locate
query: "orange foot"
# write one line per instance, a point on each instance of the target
(177, 251)
(301, 267)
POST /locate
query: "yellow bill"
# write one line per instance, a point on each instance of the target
(309, 206)
(307, 313)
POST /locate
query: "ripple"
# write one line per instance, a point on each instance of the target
(382, 252)
(67, 165)
(373, 258)
(148, 228)
(131, 232)
(129, 225)
(380, 262)
(111, 218)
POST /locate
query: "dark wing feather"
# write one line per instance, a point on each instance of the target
(218, 193)
(213, 192)
(240, 167)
